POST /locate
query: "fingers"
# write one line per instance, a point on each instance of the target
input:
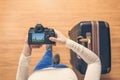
(36, 46)
(26, 40)
(56, 32)
(53, 39)
(57, 40)
(32, 46)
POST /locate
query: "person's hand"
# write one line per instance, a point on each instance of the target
(60, 37)
(27, 50)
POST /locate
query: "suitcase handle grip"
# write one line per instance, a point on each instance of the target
(85, 40)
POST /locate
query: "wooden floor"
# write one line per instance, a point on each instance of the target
(17, 16)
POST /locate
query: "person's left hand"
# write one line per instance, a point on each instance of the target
(27, 50)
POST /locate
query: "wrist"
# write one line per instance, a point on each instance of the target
(62, 41)
(26, 54)
(65, 40)
(27, 50)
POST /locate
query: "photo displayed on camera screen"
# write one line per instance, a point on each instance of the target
(38, 37)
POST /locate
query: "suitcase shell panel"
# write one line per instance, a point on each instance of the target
(104, 41)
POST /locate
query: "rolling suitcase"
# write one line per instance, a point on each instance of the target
(94, 35)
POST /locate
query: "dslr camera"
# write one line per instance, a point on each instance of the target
(40, 35)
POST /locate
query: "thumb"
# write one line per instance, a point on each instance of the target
(53, 39)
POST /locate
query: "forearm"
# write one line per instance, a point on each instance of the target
(87, 55)
(94, 65)
(23, 68)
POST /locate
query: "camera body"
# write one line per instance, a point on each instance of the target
(40, 35)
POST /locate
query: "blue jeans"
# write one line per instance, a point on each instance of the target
(47, 62)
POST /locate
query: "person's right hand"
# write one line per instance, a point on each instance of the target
(60, 37)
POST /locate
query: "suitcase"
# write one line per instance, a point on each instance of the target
(94, 35)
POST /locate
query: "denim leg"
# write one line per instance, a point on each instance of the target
(60, 66)
(46, 61)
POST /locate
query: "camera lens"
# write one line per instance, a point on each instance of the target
(39, 28)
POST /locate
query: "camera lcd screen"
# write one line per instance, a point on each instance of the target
(38, 37)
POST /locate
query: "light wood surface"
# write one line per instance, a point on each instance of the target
(17, 16)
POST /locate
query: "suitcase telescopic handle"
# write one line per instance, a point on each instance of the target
(85, 40)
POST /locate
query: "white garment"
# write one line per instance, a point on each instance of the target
(93, 70)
